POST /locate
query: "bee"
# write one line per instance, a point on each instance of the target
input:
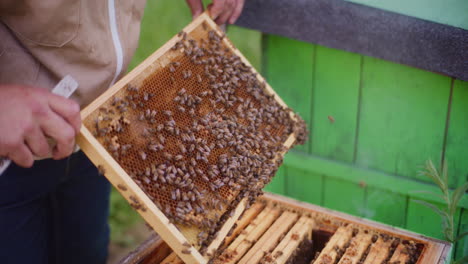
(142, 155)
(121, 187)
(101, 170)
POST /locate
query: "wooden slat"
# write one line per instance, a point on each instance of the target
(222, 233)
(435, 253)
(456, 148)
(379, 251)
(424, 220)
(270, 238)
(462, 245)
(338, 240)
(372, 178)
(343, 196)
(252, 233)
(248, 216)
(277, 184)
(345, 218)
(305, 186)
(397, 103)
(356, 249)
(147, 251)
(294, 70)
(382, 206)
(400, 255)
(300, 231)
(335, 103)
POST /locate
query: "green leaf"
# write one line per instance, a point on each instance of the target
(456, 196)
(432, 173)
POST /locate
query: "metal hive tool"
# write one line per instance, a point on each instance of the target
(190, 137)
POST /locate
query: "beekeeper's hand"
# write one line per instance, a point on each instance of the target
(28, 116)
(222, 11)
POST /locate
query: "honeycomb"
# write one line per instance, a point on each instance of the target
(197, 131)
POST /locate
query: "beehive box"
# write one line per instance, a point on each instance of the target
(281, 230)
(190, 137)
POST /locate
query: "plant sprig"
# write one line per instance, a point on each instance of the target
(441, 179)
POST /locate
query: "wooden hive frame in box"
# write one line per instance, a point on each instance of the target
(275, 228)
(181, 238)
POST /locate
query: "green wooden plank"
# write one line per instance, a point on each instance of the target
(449, 12)
(304, 186)
(372, 178)
(387, 207)
(249, 42)
(277, 184)
(423, 220)
(456, 149)
(288, 66)
(462, 246)
(402, 117)
(344, 196)
(335, 103)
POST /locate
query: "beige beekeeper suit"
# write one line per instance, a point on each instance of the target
(41, 41)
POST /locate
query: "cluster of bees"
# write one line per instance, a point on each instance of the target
(199, 134)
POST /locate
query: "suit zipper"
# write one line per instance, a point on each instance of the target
(115, 39)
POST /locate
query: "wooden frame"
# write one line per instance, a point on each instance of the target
(435, 251)
(174, 237)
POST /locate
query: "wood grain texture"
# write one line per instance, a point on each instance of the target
(288, 67)
(287, 247)
(304, 185)
(253, 232)
(338, 240)
(335, 103)
(461, 248)
(402, 118)
(456, 149)
(372, 178)
(385, 206)
(277, 184)
(270, 238)
(378, 252)
(344, 196)
(356, 249)
(423, 220)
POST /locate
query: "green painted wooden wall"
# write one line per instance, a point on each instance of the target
(373, 125)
